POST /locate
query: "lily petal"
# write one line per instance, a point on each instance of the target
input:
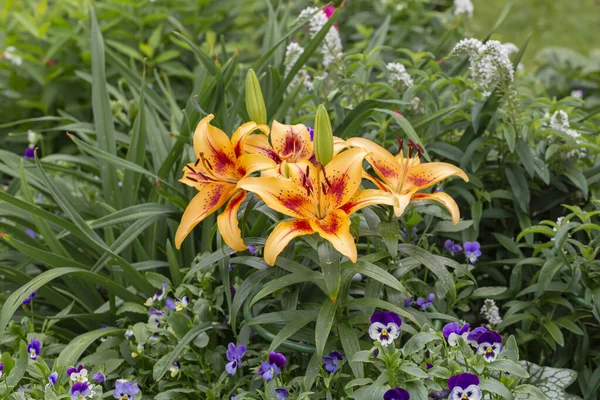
(445, 199)
(228, 222)
(291, 142)
(255, 162)
(402, 203)
(282, 195)
(241, 134)
(368, 197)
(259, 144)
(335, 227)
(215, 147)
(339, 145)
(424, 175)
(342, 177)
(383, 162)
(208, 200)
(283, 233)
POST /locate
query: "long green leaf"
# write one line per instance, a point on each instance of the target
(73, 351)
(324, 324)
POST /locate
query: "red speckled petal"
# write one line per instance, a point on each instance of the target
(291, 142)
(422, 176)
(216, 148)
(335, 228)
(240, 136)
(383, 162)
(367, 198)
(344, 176)
(208, 200)
(259, 144)
(282, 235)
(228, 222)
(445, 199)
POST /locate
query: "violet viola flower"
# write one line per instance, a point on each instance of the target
(99, 377)
(30, 233)
(464, 387)
(408, 302)
(52, 378)
(78, 374)
(125, 390)
(34, 348)
(472, 251)
(281, 394)
(30, 298)
(128, 333)
(181, 303)
(174, 368)
(489, 345)
(156, 316)
(396, 394)
(1, 369)
(453, 330)
(268, 370)
(29, 153)
(252, 249)
(158, 296)
(385, 327)
(452, 247)
(332, 361)
(474, 335)
(425, 303)
(234, 356)
(81, 391)
(311, 132)
(170, 304)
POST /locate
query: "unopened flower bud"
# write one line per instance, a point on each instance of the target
(255, 104)
(323, 141)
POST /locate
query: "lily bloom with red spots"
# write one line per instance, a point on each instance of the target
(402, 177)
(220, 165)
(319, 199)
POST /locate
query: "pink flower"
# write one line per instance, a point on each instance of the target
(329, 10)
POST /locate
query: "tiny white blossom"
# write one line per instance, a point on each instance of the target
(332, 44)
(10, 55)
(489, 63)
(292, 53)
(463, 7)
(577, 93)
(32, 137)
(491, 312)
(398, 75)
(415, 103)
(510, 48)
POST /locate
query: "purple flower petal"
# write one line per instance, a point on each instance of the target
(277, 359)
(386, 317)
(489, 337)
(463, 381)
(396, 394)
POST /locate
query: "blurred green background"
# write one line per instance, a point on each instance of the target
(561, 23)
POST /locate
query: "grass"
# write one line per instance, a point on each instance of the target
(563, 23)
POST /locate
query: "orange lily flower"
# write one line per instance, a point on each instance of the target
(289, 144)
(215, 174)
(320, 200)
(402, 177)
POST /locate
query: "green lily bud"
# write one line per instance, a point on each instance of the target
(255, 104)
(323, 140)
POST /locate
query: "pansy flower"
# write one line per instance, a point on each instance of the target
(385, 327)
(174, 368)
(34, 348)
(464, 387)
(281, 394)
(234, 356)
(319, 199)
(331, 361)
(158, 296)
(489, 345)
(99, 377)
(81, 391)
(472, 251)
(396, 394)
(401, 178)
(156, 316)
(128, 333)
(182, 303)
(453, 330)
(52, 378)
(1, 369)
(425, 303)
(125, 390)
(30, 298)
(78, 374)
(268, 370)
(474, 335)
(221, 163)
(452, 247)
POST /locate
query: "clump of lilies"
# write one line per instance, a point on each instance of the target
(316, 182)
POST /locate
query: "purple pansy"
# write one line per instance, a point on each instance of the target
(30, 233)
(81, 391)
(78, 374)
(125, 390)
(396, 394)
(29, 153)
(452, 247)
(30, 298)
(428, 366)
(425, 303)
(268, 370)
(234, 356)
(474, 335)
(453, 330)
(472, 251)
(34, 348)
(156, 316)
(332, 361)
(464, 387)
(1, 369)
(52, 378)
(385, 327)
(281, 394)
(311, 132)
(128, 333)
(408, 301)
(489, 345)
(252, 249)
(158, 296)
(99, 377)
(170, 303)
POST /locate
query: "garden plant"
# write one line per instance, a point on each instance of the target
(219, 199)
